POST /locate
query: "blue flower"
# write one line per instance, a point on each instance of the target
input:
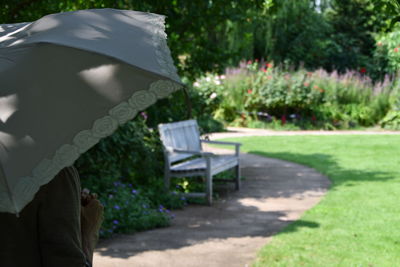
(115, 222)
(117, 207)
(134, 191)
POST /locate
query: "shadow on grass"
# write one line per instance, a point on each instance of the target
(327, 165)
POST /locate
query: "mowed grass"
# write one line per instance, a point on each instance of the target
(358, 222)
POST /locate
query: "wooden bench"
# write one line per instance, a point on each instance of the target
(184, 156)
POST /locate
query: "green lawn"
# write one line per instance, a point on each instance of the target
(358, 222)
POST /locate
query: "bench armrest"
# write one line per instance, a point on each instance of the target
(194, 153)
(237, 145)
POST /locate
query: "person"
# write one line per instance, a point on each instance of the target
(54, 229)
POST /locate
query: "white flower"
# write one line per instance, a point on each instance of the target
(213, 95)
(217, 82)
(196, 84)
(208, 79)
(222, 77)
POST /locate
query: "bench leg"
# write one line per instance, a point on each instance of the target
(237, 182)
(209, 187)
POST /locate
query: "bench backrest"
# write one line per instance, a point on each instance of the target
(183, 135)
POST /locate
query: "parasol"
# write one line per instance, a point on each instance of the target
(68, 80)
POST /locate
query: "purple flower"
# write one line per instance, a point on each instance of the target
(134, 191)
(117, 207)
(144, 115)
(115, 222)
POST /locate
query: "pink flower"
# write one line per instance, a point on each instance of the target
(249, 91)
(396, 50)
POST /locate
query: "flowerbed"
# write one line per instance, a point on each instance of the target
(260, 94)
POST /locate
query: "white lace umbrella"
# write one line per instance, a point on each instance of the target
(68, 80)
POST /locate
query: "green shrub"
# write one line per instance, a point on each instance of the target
(259, 91)
(126, 171)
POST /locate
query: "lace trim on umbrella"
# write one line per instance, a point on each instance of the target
(68, 153)
(164, 57)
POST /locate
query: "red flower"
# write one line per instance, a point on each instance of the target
(363, 70)
(283, 119)
(269, 65)
(313, 118)
(396, 50)
(264, 69)
(249, 91)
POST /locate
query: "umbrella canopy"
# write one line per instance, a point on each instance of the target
(68, 80)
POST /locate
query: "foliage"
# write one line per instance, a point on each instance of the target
(126, 210)
(388, 46)
(292, 32)
(353, 43)
(391, 121)
(354, 224)
(259, 91)
(125, 171)
(197, 29)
